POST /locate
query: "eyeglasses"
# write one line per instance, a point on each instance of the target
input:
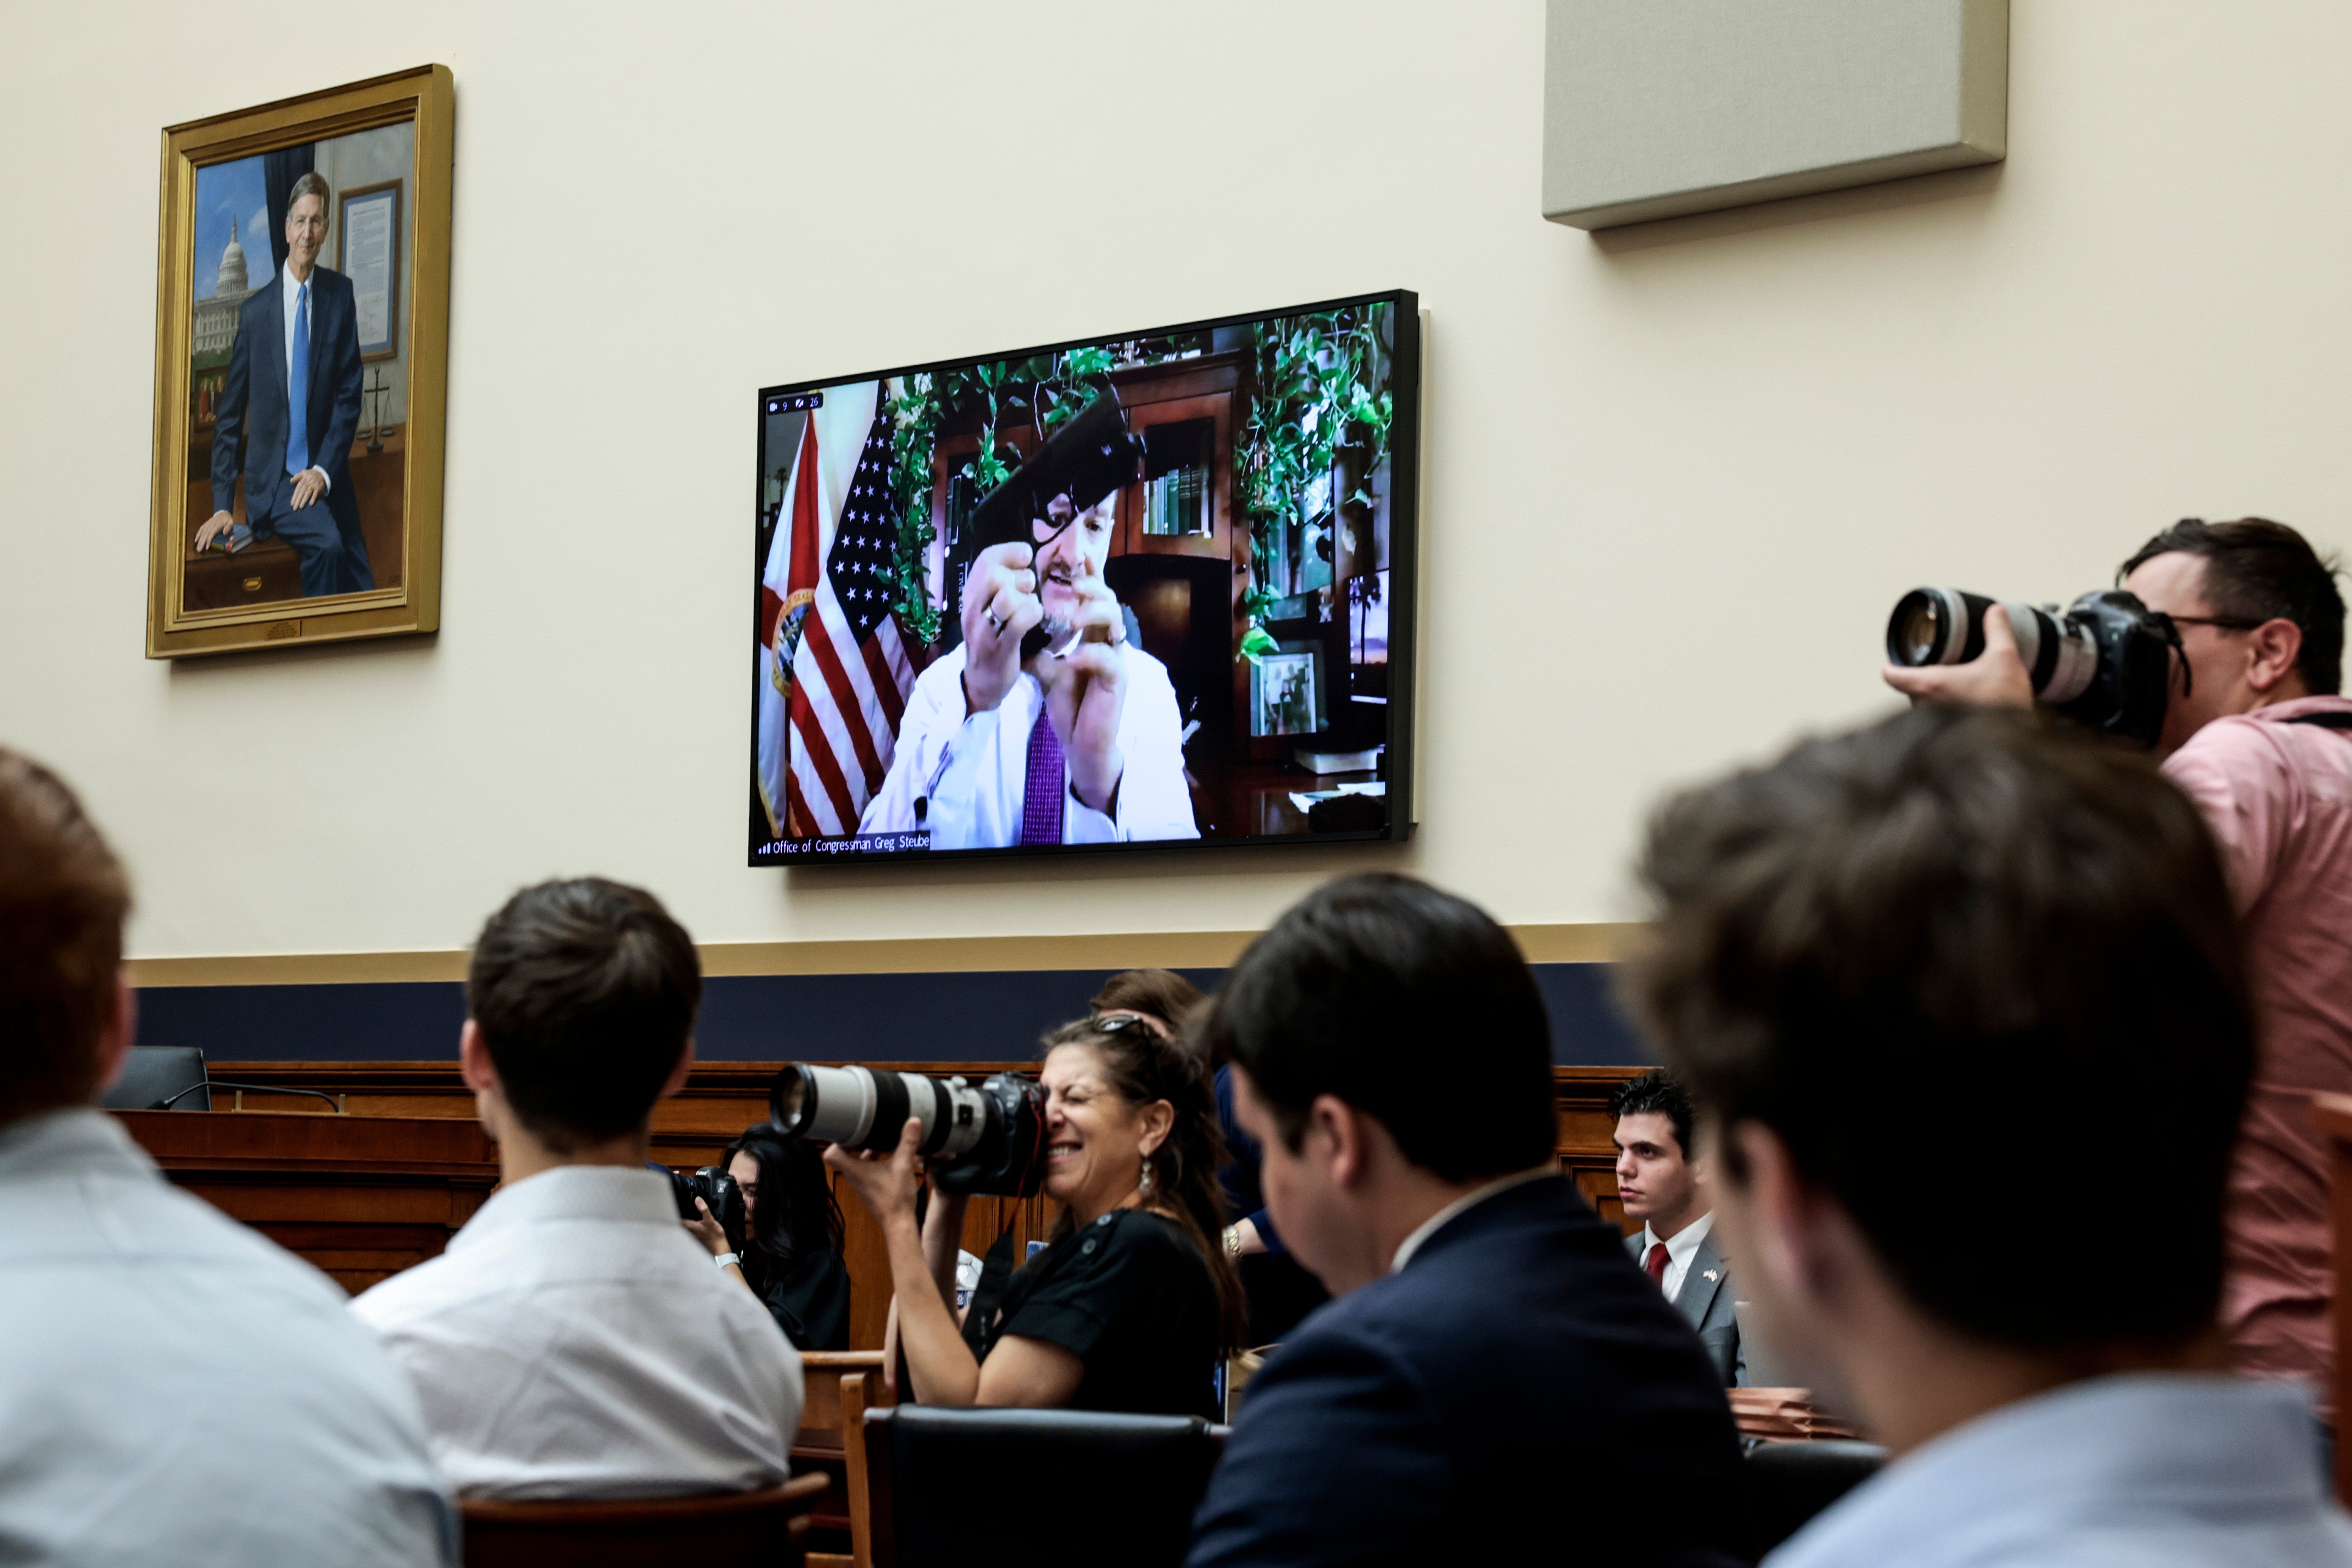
(2225, 623)
(1043, 531)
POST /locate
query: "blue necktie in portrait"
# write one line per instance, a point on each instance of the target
(298, 391)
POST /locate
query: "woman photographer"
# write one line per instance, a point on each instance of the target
(792, 1252)
(1134, 1302)
(1277, 1292)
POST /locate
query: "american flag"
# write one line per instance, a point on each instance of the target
(850, 673)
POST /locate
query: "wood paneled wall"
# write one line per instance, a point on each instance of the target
(722, 1098)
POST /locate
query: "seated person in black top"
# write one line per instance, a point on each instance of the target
(1275, 1290)
(792, 1256)
(1133, 1304)
(1496, 1382)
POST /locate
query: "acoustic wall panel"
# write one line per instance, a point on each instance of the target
(1657, 107)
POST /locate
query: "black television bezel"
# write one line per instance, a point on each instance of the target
(1404, 593)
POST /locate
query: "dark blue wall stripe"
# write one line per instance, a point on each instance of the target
(986, 1017)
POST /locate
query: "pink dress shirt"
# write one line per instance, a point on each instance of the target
(2278, 796)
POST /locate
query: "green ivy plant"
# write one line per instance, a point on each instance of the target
(1311, 398)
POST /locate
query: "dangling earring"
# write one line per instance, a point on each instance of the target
(1145, 1185)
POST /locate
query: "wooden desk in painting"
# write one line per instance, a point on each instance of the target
(265, 573)
(362, 1197)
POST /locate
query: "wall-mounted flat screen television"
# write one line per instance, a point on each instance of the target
(1142, 590)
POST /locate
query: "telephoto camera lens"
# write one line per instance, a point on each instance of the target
(1945, 625)
(986, 1140)
(2105, 661)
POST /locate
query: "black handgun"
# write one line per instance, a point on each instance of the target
(1084, 460)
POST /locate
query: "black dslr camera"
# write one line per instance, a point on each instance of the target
(2105, 661)
(715, 1187)
(986, 1140)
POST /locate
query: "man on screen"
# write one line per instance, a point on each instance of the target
(1077, 742)
(288, 411)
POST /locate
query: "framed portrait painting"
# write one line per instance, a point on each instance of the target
(301, 363)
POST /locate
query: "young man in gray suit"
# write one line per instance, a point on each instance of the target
(1665, 1187)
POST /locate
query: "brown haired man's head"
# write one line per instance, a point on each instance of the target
(64, 1012)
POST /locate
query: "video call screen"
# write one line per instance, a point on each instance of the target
(1154, 589)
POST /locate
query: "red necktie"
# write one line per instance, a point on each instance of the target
(1656, 1264)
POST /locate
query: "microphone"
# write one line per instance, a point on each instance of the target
(248, 1088)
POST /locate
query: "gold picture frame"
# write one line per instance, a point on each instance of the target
(349, 546)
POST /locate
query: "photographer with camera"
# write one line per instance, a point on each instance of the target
(790, 1251)
(1132, 1305)
(1277, 1292)
(2253, 730)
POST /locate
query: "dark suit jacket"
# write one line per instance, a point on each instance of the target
(1517, 1393)
(253, 402)
(1706, 1305)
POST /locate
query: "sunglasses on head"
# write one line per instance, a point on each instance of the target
(1113, 1022)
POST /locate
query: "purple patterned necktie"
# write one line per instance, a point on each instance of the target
(1041, 796)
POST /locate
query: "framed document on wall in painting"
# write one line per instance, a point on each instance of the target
(302, 309)
(369, 228)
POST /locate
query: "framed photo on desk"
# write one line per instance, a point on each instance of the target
(302, 309)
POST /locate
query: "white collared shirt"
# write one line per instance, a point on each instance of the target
(290, 296)
(971, 771)
(174, 1389)
(1681, 1248)
(1437, 1222)
(575, 1342)
(2154, 1470)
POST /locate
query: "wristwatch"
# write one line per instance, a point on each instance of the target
(724, 1259)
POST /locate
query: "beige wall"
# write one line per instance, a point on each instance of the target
(1675, 477)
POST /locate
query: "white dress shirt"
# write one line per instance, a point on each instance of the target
(1681, 1248)
(971, 771)
(575, 1342)
(2166, 1471)
(290, 296)
(174, 1389)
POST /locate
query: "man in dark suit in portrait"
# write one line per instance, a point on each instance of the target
(1665, 1185)
(293, 395)
(1494, 1375)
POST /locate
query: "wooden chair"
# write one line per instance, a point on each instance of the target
(838, 1388)
(1788, 1483)
(855, 1393)
(950, 1489)
(730, 1530)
